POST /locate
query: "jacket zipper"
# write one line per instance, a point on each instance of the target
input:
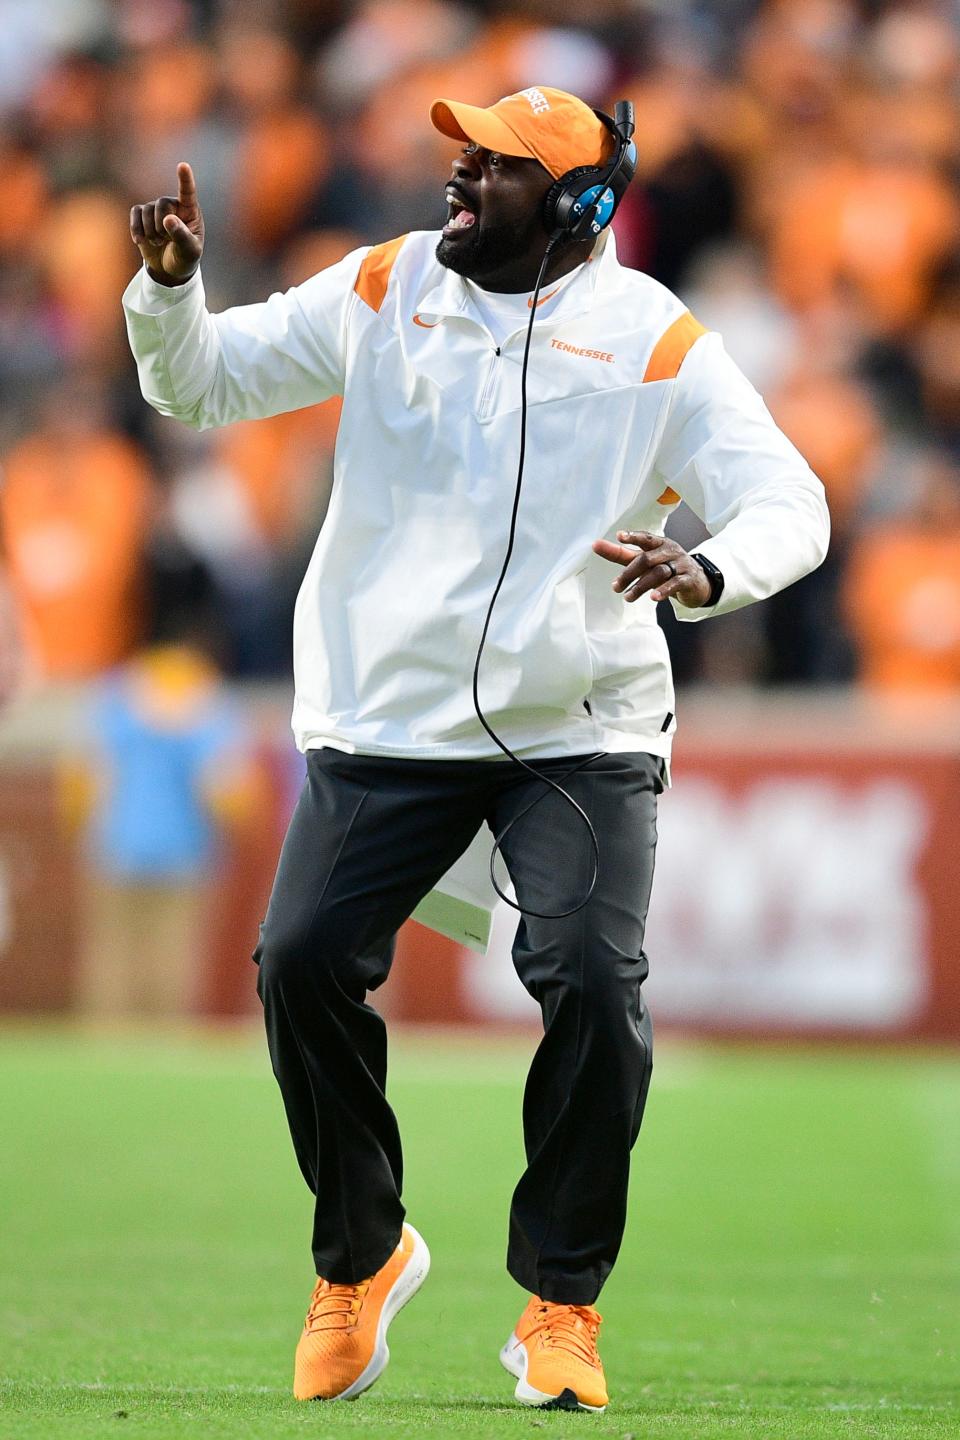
(483, 403)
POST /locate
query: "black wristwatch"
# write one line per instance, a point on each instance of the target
(714, 575)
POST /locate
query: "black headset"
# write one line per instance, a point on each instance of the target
(584, 200)
(576, 207)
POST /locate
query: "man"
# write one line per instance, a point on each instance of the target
(631, 406)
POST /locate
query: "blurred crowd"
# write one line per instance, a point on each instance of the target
(797, 185)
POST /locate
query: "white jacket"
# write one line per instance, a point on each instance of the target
(631, 406)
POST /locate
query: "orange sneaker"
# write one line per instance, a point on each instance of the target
(343, 1348)
(553, 1353)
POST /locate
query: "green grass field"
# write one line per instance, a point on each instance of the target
(790, 1270)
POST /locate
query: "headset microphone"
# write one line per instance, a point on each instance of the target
(623, 118)
(577, 206)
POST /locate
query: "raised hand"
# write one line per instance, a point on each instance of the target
(168, 232)
(655, 566)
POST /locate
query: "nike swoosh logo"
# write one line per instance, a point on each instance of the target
(423, 324)
(543, 299)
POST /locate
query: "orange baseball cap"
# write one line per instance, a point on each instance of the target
(538, 123)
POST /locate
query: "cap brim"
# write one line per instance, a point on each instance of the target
(470, 122)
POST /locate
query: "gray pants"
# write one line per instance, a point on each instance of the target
(369, 838)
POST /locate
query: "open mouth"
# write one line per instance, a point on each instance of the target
(461, 217)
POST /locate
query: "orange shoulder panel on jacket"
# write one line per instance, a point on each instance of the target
(374, 275)
(670, 350)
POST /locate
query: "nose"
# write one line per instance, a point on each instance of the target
(466, 166)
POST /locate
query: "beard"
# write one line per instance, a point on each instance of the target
(484, 250)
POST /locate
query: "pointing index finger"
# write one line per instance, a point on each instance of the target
(186, 185)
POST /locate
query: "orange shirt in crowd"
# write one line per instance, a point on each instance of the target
(276, 462)
(903, 598)
(832, 421)
(881, 228)
(289, 152)
(74, 515)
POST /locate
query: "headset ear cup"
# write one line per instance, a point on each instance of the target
(558, 203)
(561, 216)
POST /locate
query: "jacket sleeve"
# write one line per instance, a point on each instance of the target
(722, 453)
(248, 362)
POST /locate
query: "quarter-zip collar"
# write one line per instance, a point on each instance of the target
(451, 298)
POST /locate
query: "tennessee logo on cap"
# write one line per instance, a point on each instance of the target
(538, 101)
(538, 123)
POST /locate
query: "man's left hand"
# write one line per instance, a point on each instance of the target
(654, 566)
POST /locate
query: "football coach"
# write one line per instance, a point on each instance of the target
(520, 413)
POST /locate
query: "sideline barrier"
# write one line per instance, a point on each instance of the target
(796, 894)
(808, 879)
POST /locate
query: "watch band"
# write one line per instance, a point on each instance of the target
(714, 575)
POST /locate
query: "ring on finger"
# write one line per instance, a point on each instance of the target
(672, 568)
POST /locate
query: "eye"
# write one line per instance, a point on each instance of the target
(470, 148)
(495, 160)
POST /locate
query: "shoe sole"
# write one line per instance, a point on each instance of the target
(404, 1288)
(513, 1357)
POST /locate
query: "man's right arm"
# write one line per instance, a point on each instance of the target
(247, 363)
